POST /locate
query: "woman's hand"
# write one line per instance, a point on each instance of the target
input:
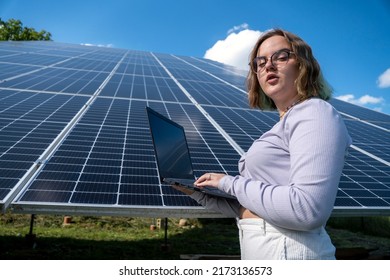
(209, 179)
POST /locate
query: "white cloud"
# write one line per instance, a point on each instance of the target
(347, 98)
(97, 45)
(235, 48)
(238, 28)
(364, 100)
(367, 99)
(384, 79)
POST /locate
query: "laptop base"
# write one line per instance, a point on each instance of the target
(189, 184)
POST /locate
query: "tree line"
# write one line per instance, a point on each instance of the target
(13, 30)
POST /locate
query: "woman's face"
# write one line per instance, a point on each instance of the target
(278, 83)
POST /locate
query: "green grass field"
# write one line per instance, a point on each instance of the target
(113, 238)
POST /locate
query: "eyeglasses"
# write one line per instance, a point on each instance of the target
(278, 60)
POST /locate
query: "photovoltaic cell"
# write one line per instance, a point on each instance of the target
(74, 136)
(32, 59)
(29, 122)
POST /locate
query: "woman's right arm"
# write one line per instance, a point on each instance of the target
(228, 207)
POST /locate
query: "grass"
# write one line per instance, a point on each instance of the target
(113, 238)
(110, 238)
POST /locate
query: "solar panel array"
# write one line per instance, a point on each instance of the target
(74, 137)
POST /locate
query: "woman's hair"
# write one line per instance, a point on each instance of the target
(309, 83)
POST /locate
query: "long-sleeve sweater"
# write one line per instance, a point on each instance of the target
(290, 175)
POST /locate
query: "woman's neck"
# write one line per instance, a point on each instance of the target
(284, 109)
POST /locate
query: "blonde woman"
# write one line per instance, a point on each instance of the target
(289, 176)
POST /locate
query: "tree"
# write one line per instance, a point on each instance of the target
(13, 30)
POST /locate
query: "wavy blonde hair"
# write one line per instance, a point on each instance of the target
(310, 81)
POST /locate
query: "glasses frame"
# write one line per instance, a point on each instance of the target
(253, 64)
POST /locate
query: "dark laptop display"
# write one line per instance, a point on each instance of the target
(172, 154)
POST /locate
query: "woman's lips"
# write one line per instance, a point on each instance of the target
(272, 79)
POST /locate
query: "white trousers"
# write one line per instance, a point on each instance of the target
(261, 241)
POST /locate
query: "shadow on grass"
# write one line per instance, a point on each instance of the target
(194, 241)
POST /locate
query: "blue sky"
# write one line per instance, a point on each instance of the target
(350, 38)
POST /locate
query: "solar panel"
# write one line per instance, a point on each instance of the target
(74, 137)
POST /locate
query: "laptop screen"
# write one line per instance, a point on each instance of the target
(170, 147)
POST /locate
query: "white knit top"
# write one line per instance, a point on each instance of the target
(290, 175)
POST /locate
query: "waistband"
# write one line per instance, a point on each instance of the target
(258, 224)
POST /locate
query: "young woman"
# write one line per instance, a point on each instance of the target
(289, 176)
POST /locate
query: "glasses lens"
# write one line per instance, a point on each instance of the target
(254, 65)
(258, 64)
(280, 58)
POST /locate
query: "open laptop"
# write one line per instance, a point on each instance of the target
(173, 156)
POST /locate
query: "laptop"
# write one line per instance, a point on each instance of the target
(173, 156)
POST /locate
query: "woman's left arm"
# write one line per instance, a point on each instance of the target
(317, 140)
